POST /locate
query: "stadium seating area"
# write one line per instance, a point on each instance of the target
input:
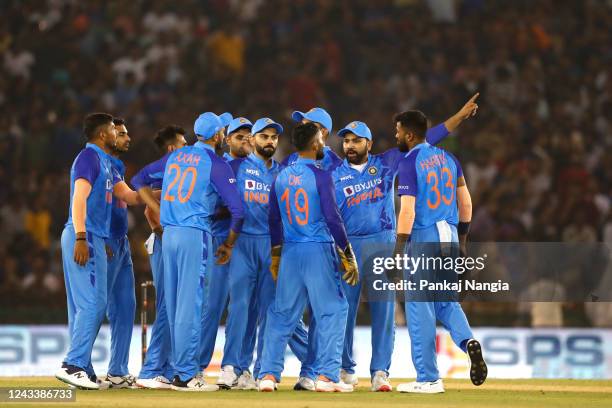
(537, 158)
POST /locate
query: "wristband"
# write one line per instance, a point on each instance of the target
(463, 228)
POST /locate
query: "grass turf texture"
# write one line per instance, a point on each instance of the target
(459, 393)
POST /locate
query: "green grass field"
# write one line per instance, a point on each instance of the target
(459, 393)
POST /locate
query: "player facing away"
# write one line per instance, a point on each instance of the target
(323, 121)
(238, 134)
(365, 196)
(194, 178)
(435, 208)
(121, 305)
(306, 232)
(92, 187)
(251, 285)
(157, 369)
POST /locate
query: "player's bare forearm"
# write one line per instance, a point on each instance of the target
(468, 110)
(82, 189)
(123, 192)
(407, 213)
(148, 197)
(464, 203)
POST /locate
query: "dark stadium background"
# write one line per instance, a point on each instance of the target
(537, 158)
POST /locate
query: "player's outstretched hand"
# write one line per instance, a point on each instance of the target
(470, 108)
(274, 265)
(81, 252)
(223, 254)
(349, 264)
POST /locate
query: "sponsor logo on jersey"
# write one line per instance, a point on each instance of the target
(253, 172)
(256, 185)
(359, 187)
(348, 191)
(344, 178)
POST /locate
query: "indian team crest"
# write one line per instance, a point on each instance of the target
(353, 125)
(372, 171)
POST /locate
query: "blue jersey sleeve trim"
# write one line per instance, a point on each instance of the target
(224, 181)
(459, 169)
(235, 165)
(327, 195)
(87, 166)
(407, 177)
(436, 134)
(150, 174)
(288, 160)
(392, 158)
(274, 218)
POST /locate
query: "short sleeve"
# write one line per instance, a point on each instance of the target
(87, 166)
(407, 177)
(459, 169)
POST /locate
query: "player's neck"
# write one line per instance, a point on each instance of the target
(308, 155)
(267, 160)
(101, 145)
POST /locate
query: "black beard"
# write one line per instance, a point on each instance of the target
(320, 154)
(266, 152)
(357, 159)
(402, 147)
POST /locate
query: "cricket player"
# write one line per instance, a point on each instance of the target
(321, 119)
(194, 178)
(238, 135)
(157, 370)
(436, 208)
(306, 231)
(121, 305)
(92, 187)
(249, 272)
(365, 196)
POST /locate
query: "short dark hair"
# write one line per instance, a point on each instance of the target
(302, 135)
(93, 121)
(167, 135)
(118, 121)
(413, 120)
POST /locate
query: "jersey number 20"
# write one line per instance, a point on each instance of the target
(180, 175)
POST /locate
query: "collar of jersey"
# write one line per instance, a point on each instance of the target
(302, 160)
(260, 163)
(202, 145)
(348, 165)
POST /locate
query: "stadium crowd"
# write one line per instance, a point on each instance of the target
(538, 157)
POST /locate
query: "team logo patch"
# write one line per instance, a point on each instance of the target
(243, 120)
(372, 171)
(269, 121)
(348, 191)
(353, 125)
(249, 184)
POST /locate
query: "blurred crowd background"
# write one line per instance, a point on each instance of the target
(537, 158)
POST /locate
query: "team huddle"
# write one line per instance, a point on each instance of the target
(269, 241)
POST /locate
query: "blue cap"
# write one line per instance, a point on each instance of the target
(238, 123)
(226, 118)
(264, 123)
(318, 115)
(360, 129)
(206, 125)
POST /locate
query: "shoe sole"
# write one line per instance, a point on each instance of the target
(384, 388)
(478, 367)
(80, 387)
(299, 387)
(184, 389)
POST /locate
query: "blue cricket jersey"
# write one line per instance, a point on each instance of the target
(194, 178)
(365, 198)
(220, 225)
(119, 212)
(303, 206)
(94, 165)
(151, 175)
(254, 180)
(329, 162)
(430, 174)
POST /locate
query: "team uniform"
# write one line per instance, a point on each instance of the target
(251, 285)
(121, 293)
(86, 286)
(365, 199)
(305, 219)
(430, 174)
(158, 359)
(329, 161)
(194, 178)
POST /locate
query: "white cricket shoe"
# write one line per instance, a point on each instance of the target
(267, 384)
(120, 381)
(325, 385)
(433, 387)
(228, 378)
(78, 379)
(304, 384)
(246, 382)
(380, 382)
(349, 378)
(196, 384)
(158, 383)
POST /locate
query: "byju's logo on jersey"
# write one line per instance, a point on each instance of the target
(348, 191)
(256, 185)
